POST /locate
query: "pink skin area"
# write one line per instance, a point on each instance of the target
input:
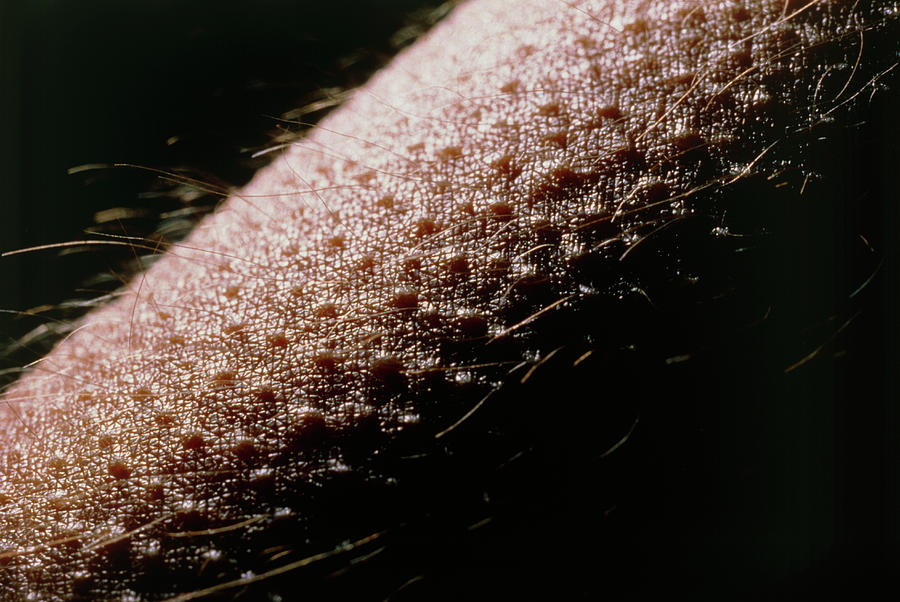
(420, 240)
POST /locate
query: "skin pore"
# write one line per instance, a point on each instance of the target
(411, 353)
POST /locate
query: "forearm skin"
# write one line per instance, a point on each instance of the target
(499, 203)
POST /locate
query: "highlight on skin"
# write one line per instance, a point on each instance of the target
(382, 344)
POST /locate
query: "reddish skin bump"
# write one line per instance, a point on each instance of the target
(506, 167)
(119, 470)
(405, 300)
(425, 227)
(657, 192)
(501, 211)
(367, 263)
(385, 202)
(473, 326)
(278, 341)
(57, 465)
(449, 153)
(387, 372)
(387, 367)
(560, 138)
(325, 361)
(411, 265)
(432, 319)
(336, 242)
(193, 442)
(459, 265)
(135, 350)
(689, 142)
(499, 266)
(328, 310)
(266, 396)
(246, 451)
(310, 431)
(610, 113)
(549, 110)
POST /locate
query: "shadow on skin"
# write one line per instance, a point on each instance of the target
(571, 301)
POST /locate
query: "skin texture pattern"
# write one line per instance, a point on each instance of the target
(416, 351)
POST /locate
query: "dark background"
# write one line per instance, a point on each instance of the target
(798, 479)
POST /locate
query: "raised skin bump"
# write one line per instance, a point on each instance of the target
(358, 365)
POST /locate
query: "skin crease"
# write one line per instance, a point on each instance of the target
(456, 229)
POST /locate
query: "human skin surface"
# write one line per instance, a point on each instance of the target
(364, 344)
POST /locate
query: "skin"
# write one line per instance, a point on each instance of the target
(387, 337)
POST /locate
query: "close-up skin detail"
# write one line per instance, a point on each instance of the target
(580, 299)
